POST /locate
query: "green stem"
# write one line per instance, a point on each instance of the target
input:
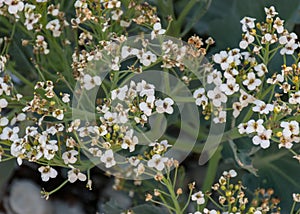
(211, 172)
(185, 12)
(59, 187)
(293, 207)
(170, 188)
(162, 204)
(215, 203)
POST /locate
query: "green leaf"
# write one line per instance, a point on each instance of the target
(277, 169)
(242, 158)
(148, 209)
(112, 207)
(7, 169)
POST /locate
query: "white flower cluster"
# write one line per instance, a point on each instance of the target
(244, 75)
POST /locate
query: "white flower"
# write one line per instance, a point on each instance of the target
(296, 197)
(116, 14)
(198, 197)
(164, 106)
(157, 162)
(230, 87)
(47, 172)
(270, 12)
(290, 128)
(69, 156)
(31, 18)
(214, 77)
(288, 38)
(102, 130)
(4, 121)
(230, 73)
(251, 82)
(261, 69)
(108, 158)
(232, 173)
(286, 142)
(286, 87)
(247, 40)
(50, 149)
(128, 51)
(17, 150)
(160, 147)
(140, 169)
(276, 78)
(217, 97)
(245, 98)
(70, 142)
(134, 161)
(3, 103)
(255, 126)
(145, 88)
(221, 117)
(66, 98)
(129, 141)
(21, 117)
(223, 59)
(147, 58)
(96, 152)
(3, 61)
(90, 82)
(10, 134)
(295, 98)
(112, 4)
(237, 108)
(207, 211)
(248, 57)
(278, 25)
(147, 106)
(119, 93)
(75, 174)
(269, 38)
(200, 97)
(58, 114)
(80, 4)
(31, 131)
(289, 48)
(110, 117)
(242, 128)
(53, 10)
(54, 26)
(157, 30)
(247, 23)
(235, 53)
(262, 108)
(14, 6)
(262, 138)
(115, 63)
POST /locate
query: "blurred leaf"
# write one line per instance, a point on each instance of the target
(277, 169)
(7, 169)
(187, 14)
(195, 14)
(148, 209)
(112, 207)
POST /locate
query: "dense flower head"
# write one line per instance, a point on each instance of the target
(236, 87)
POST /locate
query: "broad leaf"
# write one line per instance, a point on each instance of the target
(277, 169)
